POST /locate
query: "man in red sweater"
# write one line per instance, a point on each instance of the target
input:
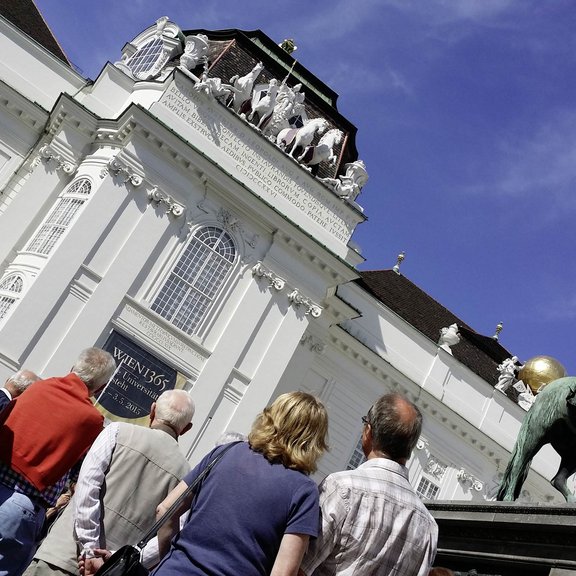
(46, 431)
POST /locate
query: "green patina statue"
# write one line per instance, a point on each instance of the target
(551, 420)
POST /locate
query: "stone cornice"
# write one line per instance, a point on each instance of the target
(18, 106)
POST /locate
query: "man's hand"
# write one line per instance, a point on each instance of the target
(89, 566)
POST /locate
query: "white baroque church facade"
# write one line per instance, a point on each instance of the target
(191, 210)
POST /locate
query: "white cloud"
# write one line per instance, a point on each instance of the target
(540, 165)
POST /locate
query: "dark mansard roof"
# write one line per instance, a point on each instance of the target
(481, 354)
(25, 15)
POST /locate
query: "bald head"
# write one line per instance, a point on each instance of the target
(395, 425)
(19, 381)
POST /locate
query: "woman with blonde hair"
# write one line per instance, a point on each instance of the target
(257, 508)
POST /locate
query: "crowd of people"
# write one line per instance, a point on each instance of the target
(257, 511)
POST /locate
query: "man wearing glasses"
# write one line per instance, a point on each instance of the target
(373, 522)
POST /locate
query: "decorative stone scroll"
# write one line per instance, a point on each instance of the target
(435, 468)
(47, 154)
(123, 172)
(297, 300)
(260, 271)
(313, 343)
(422, 444)
(160, 197)
(467, 479)
(278, 284)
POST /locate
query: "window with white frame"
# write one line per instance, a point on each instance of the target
(196, 278)
(11, 288)
(60, 217)
(357, 457)
(145, 58)
(427, 490)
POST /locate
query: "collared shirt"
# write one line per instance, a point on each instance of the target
(87, 504)
(372, 523)
(18, 483)
(7, 392)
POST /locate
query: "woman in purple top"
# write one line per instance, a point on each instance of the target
(257, 508)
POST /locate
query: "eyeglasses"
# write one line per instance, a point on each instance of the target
(365, 420)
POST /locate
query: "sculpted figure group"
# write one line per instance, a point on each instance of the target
(278, 111)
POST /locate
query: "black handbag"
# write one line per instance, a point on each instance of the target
(126, 560)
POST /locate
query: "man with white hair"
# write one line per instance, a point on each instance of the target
(128, 471)
(15, 385)
(45, 433)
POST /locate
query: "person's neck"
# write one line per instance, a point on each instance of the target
(165, 427)
(380, 454)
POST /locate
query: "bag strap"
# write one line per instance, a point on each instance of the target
(195, 486)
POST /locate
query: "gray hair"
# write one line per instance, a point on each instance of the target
(175, 407)
(21, 380)
(230, 436)
(94, 367)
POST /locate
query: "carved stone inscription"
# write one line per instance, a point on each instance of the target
(159, 335)
(255, 162)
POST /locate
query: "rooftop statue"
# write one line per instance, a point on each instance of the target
(265, 105)
(212, 86)
(449, 337)
(313, 155)
(195, 51)
(294, 138)
(507, 370)
(242, 88)
(551, 420)
(289, 105)
(350, 184)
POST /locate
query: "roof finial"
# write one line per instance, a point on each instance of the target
(288, 45)
(401, 257)
(498, 330)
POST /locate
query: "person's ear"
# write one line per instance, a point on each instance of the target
(186, 428)
(152, 412)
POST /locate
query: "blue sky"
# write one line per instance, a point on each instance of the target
(466, 117)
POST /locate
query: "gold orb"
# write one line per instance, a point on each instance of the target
(539, 371)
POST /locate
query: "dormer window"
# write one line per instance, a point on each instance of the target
(144, 60)
(147, 56)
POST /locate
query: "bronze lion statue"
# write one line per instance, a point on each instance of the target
(551, 420)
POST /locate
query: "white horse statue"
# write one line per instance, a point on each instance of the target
(242, 86)
(313, 155)
(265, 105)
(300, 137)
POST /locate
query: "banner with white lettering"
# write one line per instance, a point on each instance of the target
(137, 382)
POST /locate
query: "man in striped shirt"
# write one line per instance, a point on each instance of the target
(372, 519)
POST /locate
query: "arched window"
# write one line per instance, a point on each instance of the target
(196, 278)
(144, 59)
(59, 219)
(10, 290)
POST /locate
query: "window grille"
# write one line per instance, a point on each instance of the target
(192, 285)
(59, 219)
(357, 457)
(146, 57)
(10, 290)
(427, 490)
